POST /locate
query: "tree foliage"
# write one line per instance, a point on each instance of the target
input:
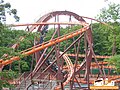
(6, 8)
(5, 76)
(114, 61)
(112, 16)
(8, 37)
(110, 13)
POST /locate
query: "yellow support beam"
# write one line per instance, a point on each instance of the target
(104, 88)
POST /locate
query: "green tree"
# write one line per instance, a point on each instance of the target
(112, 16)
(101, 34)
(6, 8)
(9, 37)
(5, 76)
(114, 61)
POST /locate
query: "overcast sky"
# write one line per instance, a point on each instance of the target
(30, 10)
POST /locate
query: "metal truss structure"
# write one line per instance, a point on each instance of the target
(55, 69)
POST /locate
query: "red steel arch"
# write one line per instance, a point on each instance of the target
(50, 15)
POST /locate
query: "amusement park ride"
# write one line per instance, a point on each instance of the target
(54, 70)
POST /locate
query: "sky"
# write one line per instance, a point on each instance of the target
(31, 10)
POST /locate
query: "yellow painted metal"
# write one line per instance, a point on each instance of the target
(104, 87)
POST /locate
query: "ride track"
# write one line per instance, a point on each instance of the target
(44, 45)
(55, 42)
